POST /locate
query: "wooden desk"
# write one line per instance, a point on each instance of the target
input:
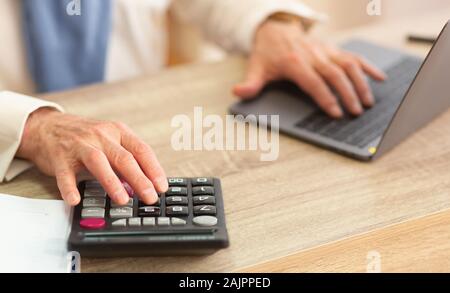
(282, 213)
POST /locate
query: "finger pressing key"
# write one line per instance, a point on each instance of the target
(127, 187)
(146, 159)
(97, 163)
(125, 163)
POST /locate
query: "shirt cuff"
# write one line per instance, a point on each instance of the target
(249, 26)
(14, 111)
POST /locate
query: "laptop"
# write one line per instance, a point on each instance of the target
(415, 93)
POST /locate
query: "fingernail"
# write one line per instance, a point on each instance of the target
(127, 187)
(336, 111)
(150, 194)
(73, 199)
(370, 100)
(162, 184)
(357, 108)
(121, 198)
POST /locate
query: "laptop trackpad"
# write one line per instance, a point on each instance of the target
(279, 99)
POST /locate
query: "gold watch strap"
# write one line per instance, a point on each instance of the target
(286, 17)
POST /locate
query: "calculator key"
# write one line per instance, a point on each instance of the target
(92, 213)
(204, 200)
(149, 211)
(148, 222)
(94, 192)
(202, 181)
(177, 181)
(119, 223)
(205, 210)
(92, 223)
(92, 185)
(163, 221)
(128, 204)
(203, 190)
(205, 221)
(177, 222)
(134, 222)
(176, 200)
(177, 211)
(124, 212)
(177, 191)
(94, 202)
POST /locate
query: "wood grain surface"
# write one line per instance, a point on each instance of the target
(307, 198)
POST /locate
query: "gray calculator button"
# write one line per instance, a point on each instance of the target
(92, 185)
(177, 181)
(205, 221)
(94, 202)
(163, 221)
(204, 199)
(202, 181)
(94, 192)
(134, 222)
(177, 222)
(124, 212)
(176, 191)
(203, 190)
(120, 223)
(92, 213)
(176, 200)
(148, 221)
(204, 210)
(177, 211)
(128, 204)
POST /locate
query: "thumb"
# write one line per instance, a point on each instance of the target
(253, 84)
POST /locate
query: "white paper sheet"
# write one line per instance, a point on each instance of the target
(34, 235)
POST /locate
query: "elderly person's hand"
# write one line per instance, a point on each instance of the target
(282, 50)
(61, 145)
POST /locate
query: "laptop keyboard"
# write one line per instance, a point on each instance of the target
(360, 131)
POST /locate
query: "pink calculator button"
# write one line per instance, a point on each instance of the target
(92, 224)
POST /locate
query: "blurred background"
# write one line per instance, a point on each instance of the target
(343, 14)
(186, 43)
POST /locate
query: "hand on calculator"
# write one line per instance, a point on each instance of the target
(61, 145)
(188, 219)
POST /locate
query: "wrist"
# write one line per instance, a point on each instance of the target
(272, 26)
(32, 132)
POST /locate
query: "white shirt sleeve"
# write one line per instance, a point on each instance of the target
(14, 112)
(232, 23)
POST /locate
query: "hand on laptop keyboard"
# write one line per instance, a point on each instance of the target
(61, 145)
(284, 51)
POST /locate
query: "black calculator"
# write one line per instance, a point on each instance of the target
(188, 219)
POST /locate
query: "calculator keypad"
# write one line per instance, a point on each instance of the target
(186, 201)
